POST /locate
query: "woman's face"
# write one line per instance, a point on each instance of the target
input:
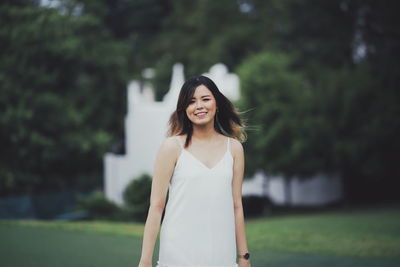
(202, 107)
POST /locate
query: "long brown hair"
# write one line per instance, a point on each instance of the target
(227, 120)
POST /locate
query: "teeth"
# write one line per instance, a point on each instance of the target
(201, 113)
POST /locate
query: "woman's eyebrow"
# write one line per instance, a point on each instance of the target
(201, 96)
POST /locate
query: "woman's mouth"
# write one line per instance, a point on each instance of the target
(200, 114)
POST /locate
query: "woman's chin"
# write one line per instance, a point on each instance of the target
(202, 122)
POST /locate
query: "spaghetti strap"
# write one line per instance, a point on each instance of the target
(228, 144)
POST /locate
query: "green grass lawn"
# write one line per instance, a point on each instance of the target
(363, 237)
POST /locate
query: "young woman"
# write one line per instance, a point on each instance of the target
(201, 162)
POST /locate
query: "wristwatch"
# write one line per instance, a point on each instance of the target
(246, 256)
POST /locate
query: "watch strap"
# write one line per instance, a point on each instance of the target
(245, 256)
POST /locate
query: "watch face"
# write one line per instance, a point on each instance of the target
(247, 256)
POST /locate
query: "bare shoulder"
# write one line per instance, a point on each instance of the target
(168, 153)
(169, 145)
(237, 147)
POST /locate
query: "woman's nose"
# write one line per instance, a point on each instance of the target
(199, 105)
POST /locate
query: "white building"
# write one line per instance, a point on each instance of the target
(146, 127)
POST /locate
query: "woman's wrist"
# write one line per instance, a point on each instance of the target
(244, 255)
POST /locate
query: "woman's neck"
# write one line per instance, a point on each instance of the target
(204, 132)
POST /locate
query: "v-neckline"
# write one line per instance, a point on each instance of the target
(200, 162)
(204, 165)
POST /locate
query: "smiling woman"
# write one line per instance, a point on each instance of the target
(200, 94)
(201, 106)
(201, 163)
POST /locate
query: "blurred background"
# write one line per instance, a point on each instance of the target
(319, 88)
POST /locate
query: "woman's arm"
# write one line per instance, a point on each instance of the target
(163, 169)
(238, 172)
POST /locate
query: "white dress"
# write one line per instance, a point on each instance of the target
(198, 229)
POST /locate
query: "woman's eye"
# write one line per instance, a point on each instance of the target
(205, 99)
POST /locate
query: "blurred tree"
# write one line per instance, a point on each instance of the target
(136, 22)
(277, 94)
(62, 80)
(331, 125)
(325, 102)
(346, 51)
(136, 197)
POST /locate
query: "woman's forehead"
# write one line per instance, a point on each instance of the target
(202, 91)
